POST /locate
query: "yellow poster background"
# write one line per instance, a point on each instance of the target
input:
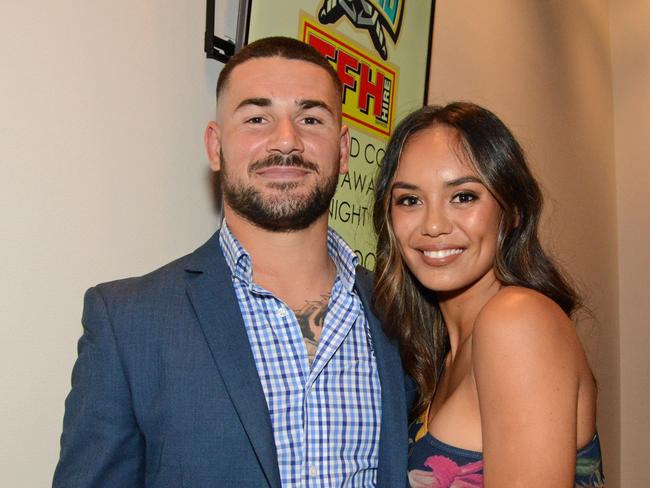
(379, 89)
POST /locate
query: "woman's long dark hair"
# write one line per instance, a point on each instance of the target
(409, 311)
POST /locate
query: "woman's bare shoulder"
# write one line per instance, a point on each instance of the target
(527, 327)
(525, 310)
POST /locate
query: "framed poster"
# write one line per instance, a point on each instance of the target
(381, 50)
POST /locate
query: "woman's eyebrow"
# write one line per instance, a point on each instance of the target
(462, 180)
(451, 183)
(404, 186)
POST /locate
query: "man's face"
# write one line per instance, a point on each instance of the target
(278, 142)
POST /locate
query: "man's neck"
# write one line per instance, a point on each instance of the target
(294, 266)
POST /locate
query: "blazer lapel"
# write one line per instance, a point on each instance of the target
(210, 290)
(393, 439)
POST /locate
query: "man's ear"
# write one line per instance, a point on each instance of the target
(212, 141)
(344, 149)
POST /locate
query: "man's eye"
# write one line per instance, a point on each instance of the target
(311, 121)
(464, 197)
(255, 120)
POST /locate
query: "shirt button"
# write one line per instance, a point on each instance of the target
(281, 312)
(313, 471)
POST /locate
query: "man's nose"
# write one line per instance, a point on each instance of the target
(285, 137)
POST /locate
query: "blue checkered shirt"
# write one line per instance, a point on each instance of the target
(325, 418)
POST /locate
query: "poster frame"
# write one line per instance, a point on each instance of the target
(220, 48)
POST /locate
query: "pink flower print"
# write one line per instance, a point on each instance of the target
(447, 474)
(419, 478)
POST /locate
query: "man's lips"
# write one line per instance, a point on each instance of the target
(295, 161)
(282, 172)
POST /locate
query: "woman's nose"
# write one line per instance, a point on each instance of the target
(436, 221)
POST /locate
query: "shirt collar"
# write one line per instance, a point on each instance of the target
(237, 259)
(240, 262)
(344, 258)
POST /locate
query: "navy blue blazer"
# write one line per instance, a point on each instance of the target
(165, 392)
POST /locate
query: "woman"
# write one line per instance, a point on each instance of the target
(481, 313)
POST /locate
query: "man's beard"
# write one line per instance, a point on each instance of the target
(283, 212)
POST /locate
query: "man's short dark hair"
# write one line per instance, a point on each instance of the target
(284, 47)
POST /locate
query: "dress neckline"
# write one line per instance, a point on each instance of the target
(468, 452)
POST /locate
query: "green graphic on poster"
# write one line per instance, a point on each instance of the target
(380, 50)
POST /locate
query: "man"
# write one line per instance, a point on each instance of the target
(254, 361)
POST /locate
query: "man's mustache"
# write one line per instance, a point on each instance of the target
(294, 160)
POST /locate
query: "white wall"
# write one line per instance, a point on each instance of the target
(630, 34)
(103, 175)
(544, 67)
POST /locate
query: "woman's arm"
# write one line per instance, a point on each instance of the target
(525, 359)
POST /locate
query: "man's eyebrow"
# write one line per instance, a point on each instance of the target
(307, 104)
(258, 102)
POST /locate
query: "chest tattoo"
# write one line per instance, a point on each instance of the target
(311, 317)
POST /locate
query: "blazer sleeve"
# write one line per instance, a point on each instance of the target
(412, 391)
(101, 444)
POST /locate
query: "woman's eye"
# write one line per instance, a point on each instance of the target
(407, 201)
(464, 197)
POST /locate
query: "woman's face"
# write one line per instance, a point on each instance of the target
(445, 220)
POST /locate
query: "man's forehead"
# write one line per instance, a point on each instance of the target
(268, 62)
(254, 77)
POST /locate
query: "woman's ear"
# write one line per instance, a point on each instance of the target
(516, 220)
